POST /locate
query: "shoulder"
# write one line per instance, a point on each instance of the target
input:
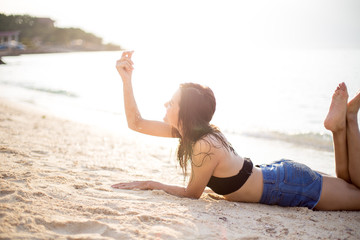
(210, 141)
(206, 148)
(204, 144)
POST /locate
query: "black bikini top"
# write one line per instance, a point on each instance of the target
(229, 185)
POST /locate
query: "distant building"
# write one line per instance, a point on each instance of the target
(9, 44)
(9, 38)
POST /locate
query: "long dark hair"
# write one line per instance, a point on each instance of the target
(197, 107)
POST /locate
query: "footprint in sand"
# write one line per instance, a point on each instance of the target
(11, 151)
(79, 186)
(39, 153)
(7, 176)
(4, 193)
(77, 227)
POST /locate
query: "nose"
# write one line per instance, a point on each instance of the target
(166, 104)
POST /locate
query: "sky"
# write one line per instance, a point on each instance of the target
(200, 25)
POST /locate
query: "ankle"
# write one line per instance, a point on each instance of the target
(351, 116)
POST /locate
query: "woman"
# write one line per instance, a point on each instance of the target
(214, 162)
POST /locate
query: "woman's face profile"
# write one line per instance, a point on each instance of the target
(172, 109)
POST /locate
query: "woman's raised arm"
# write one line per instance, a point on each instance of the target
(135, 122)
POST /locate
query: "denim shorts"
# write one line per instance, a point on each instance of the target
(290, 184)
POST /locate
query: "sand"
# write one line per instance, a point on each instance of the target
(56, 177)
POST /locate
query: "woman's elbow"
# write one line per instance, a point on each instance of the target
(193, 195)
(133, 125)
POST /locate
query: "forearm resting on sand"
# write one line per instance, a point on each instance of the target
(152, 185)
(171, 189)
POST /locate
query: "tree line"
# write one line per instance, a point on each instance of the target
(38, 32)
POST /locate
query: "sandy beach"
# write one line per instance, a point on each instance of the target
(56, 177)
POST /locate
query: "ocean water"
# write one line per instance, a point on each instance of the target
(275, 96)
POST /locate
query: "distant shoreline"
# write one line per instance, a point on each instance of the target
(45, 50)
(65, 50)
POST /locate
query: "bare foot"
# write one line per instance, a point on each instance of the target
(336, 118)
(353, 106)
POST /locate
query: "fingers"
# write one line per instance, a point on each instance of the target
(127, 54)
(141, 185)
(130, 54)
(124, 64)
(123, 186)
(125, 61)
(128, 185)
(119, 185)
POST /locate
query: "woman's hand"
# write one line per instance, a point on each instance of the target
(125, 67)
(141, 185)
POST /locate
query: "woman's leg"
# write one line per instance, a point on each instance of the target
(337, 194)
(353, 139)
(336, 122)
